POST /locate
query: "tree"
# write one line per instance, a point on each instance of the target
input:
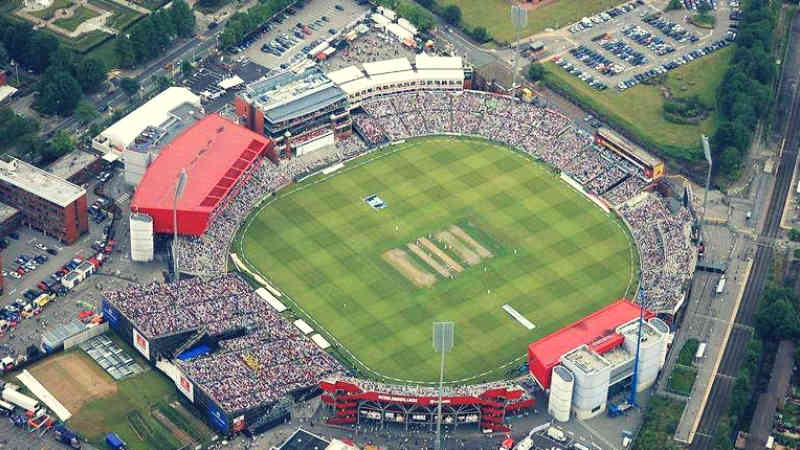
(85, 111)
(14, 126)
(91, 74)
(794, 235)
(535, 72)
(430, 4)
(452, 14)
(4, 58)
(59, 93)
(163, 82)
(674, 5)
(61, 144)
(123, 47)
(183, 18)
(38, 51)
(480, 34)
(129, 86)
(186, 68)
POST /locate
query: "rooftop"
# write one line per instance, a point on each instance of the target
(155, 112)
(6, 212)
(71, 163)
(38, 182)
(156, 137)
(586, 360)
(304, 440)
(215, 153)
(287, 95)
(549, 349)
(635, 150)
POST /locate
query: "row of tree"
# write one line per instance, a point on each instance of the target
(153, 35)
(241, 24)
(745, 94)
(452, 15)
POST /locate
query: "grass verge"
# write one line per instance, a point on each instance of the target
(689, 349)
(122, 16)
(639, 110)
(660, 421)
(80, 15)
(681, 380)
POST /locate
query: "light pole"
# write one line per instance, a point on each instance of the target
(519, 18)
(442, 343)
(179, 187)
(707, 153)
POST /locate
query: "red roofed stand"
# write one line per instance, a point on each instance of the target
(217, 154)
(595, 330)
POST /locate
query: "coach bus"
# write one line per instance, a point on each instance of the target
(652, 167)
(721, 285)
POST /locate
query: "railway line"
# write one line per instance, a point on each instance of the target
(735, 350)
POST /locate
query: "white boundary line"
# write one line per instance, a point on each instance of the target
(238, 242)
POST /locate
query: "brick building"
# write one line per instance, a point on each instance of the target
(47, 202)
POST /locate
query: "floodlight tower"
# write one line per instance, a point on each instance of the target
(707, 153)
(635, 381)
(179, 187)
(442, 342)
(519, 18)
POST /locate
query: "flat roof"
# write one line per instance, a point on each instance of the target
(39, 182)
(586, 360)
(549, 349)
(155, 112)
(387, 66)
(304, 440)
(287, 95)
(634, 149)
(346, 75)
(7, 212)
(214, 151)
(424, 61)
(72, 163)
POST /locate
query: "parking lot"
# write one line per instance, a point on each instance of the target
(301, 40)
(637, 40)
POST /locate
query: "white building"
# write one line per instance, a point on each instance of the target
(135, 136)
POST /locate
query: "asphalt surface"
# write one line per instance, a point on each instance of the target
(735, 351)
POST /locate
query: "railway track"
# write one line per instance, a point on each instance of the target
(735, 350)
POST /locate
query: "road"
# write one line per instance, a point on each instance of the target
(735, 350)
(184, 49)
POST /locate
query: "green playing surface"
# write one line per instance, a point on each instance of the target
(558, 257)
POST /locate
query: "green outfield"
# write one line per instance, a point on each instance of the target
(525, 238)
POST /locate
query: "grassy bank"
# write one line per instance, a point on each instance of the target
(639, 109)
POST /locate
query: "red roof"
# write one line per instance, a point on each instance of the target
(215, 153)
(545, 353)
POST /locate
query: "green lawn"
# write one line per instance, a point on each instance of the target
(639, 109)
(557, 256)
(661, 418)
(681, 380)
(495, 15)
(106, 53)
(689, 349)
(81, 15)
(122, 17)
(131, 407)
(50, 10)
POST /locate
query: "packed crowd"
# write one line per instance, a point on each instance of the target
(662, 234)
(539, 131)
(270, 360)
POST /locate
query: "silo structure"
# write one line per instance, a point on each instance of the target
(662, 328)
(592, 378)
(141, 237)
(650, 351)
(559, 404)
